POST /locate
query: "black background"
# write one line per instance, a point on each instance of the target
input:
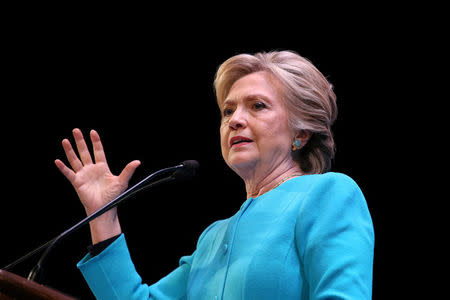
(146, 86)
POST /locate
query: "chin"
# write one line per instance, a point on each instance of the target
(241, 161)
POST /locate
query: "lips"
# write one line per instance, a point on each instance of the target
(239, 140)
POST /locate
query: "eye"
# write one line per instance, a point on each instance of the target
(227, 112)
(259, 105)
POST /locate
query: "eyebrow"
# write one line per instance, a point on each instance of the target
(246, 97)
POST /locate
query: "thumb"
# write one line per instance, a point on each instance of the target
(128, 171)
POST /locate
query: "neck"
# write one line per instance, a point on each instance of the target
(257, 184)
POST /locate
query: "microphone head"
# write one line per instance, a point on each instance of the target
(187, 171)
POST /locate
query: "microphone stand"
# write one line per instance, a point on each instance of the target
(48, 246)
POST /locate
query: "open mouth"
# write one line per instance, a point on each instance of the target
(239, 140)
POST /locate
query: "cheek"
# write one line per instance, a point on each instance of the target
(275, 134)
(223, 140)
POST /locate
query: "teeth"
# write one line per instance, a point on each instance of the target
(240, 141)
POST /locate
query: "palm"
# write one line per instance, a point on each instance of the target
(97, 184)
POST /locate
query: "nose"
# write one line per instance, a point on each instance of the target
(238, 120)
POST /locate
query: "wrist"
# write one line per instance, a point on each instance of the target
(105, 226)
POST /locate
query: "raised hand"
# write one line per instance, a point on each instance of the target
(94, 182)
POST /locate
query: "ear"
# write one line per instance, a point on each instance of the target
(303, 136)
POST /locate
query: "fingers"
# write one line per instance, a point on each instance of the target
(84, 158)
(128, 171)
(72, 157)
(68, 173)
(99, 153)
(83, 150)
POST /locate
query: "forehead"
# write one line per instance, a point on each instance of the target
(261, 84)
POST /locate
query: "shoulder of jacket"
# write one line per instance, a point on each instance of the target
(335, 178)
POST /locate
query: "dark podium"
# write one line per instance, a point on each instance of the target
(15, 287)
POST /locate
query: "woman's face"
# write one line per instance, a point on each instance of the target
(255, 135)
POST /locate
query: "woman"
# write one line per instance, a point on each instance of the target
(302, 233)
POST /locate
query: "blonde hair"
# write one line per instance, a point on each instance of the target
(308, 96)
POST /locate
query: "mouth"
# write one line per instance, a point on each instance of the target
(239, 140)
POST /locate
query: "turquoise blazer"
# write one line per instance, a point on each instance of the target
(309, 238)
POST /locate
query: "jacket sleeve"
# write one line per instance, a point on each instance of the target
(335, 240)
(112, 275)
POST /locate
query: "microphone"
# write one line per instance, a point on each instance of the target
(188, 171)
(181, 172)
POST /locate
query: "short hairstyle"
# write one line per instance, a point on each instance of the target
(308, 96)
